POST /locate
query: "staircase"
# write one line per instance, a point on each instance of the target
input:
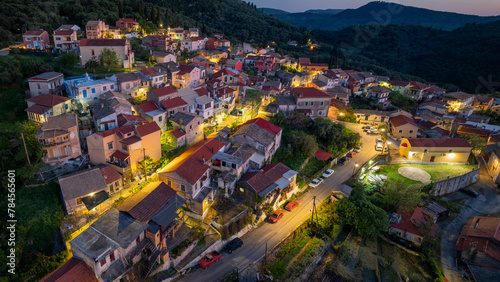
(153, 259)
(275, 199)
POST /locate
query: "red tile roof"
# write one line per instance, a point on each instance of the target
(418, 219)
(443, 131)
(168, 90)
(147, 129)
(33, 32)
(271, 128)
(481, 233)
(110, 174)
(122, 119)
(48, 100)
(310, 92)
(322, 155)
(428, 124)
(419, 85)
(173, 103)
(399, 83)
(439, 142)
(401, 120)
(64, 32)
(118, 131)
(464, 129)
(304, 61)
(120, 155)
(177, 133)
(222, 73)
(269, 174)
(103, 42)
(152, 203)
(38, 109)
(131, 140)
(72, 270)
(202, 92)
(149, 71)
(148, 106)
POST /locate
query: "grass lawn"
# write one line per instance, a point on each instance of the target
(312, 167)
(101, 70)
(437, 172)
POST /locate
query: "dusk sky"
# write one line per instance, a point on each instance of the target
(474, 7)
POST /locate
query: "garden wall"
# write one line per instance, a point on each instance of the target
(451, 185)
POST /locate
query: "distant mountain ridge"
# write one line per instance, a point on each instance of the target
(382, 13)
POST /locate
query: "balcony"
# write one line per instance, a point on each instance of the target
(120, 167)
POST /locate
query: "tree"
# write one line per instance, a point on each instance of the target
(278, 118)
(69, 60)
(158, 16)
(109, 58)
(92, 65)
(399, 195)
(152, 17)
(120, 9)
(146, 164)
(302, 144)
(475, 141)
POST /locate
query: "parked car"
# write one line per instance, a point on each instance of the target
(291, 205)
(351, 154)
(277, 215)
(315, 182)
(209, 259)
(343, 161)
(327, 173)
(358, 149)
(233, 245)
(469, 192)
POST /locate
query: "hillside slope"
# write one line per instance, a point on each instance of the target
(382, 13)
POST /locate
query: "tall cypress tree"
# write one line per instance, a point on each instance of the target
(141, 9)
(120, 9)
(153, 14)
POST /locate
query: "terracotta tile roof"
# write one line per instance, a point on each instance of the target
(72, 270)
(310, 92)
(419, 85)
(103, 42)
(131, 140)
(33, 32)
(464, 129)
(48, 100)
(148, 106)
(173, 103)
(128, 20)
(401, 83)
(304, 61)
(202, 92)
(418, 220)
(487, 227)
(222, 73)
(122, 119)
(177, 133)
(37, 109)
(442, 131)
(428, 125)
(483, 99)
(401, 120)
(110, 174)
(439, 142)
(147, 129)
(120, 155)
(64, 32)
(269, 174)
(149, 71)
(168, 90)
(271, 128)
(152, 203)
(322, 155)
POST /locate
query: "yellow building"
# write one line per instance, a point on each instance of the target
(435, 150)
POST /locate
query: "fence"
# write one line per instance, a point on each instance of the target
(451, 185)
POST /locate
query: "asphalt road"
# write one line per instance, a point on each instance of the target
(254, 242)
(487, 202)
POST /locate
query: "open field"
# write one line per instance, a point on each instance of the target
(437, 172)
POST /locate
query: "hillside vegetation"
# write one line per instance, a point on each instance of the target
(379, 12)
(238, 20)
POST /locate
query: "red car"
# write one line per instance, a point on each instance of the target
(209, 259)
(277, 215)
(290, 206)
(351, 154)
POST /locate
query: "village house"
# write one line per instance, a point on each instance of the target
(72, 270)
(129, 84)
(204, 107)
(188, 76)
(113, 32)
(189, 175)
(375, 117)
(162, 57)
(275, 183)
(483, 103)
(87, 191)
(262, 135)
(65, 40)
(491, 156)
(59, 138)
(95, 29)
(311, 101)
(434, 106)
(162, 94)
(36, 40)
(43, 106)
(152, 112)
(417, 90)
(46, 83)
(194, 43)
(176, 137)
(435, 150)
(124, 147)
(190, 124)
(479, 244)
(381, 94)
(91, 49)
(458, 100)
(127, 25)
(264, 64)
(306, 66)
(152, 77)
(233, 64)
(174, 105)
(107, 108)
(414, 229)
(340, 93)
(85, 89)
(402, 126)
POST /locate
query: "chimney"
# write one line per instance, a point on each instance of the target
(477, 223)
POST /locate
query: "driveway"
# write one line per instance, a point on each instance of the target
(487, 202)
(271, 234)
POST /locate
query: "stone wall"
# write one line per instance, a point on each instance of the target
(451, 185)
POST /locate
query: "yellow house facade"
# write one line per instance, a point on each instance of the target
(435, 150)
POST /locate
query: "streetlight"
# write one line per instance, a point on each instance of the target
(354, 168)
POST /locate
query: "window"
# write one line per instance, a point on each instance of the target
(112, 257)
(312, 103)
(28, 46)
(112, 87)
(321, 103)
(127, 86)
(183, 187)
(411, 131)
(93, 90)
(104, 88)
(28, 38)
(79, 201)
(93, 54)
(103, 262)
(160, 118)
(58, 38)
(124, 147)
(66, 106)
(320, 113)
(307, 103)
(84, 93)
(38, 84)
(400, 131)
(110, 146)
(169, 183)
(425, 150)
(450, 151)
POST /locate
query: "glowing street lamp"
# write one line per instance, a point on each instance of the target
(354, 168)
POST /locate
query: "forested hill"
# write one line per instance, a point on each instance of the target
(235, 18)
(465, 57)
(382, 13)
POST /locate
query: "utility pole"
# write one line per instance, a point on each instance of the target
(25, 149)
(314, 211)
(144, 164)
(265, 256)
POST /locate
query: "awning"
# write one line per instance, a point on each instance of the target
(95, 200)
(120, 155)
